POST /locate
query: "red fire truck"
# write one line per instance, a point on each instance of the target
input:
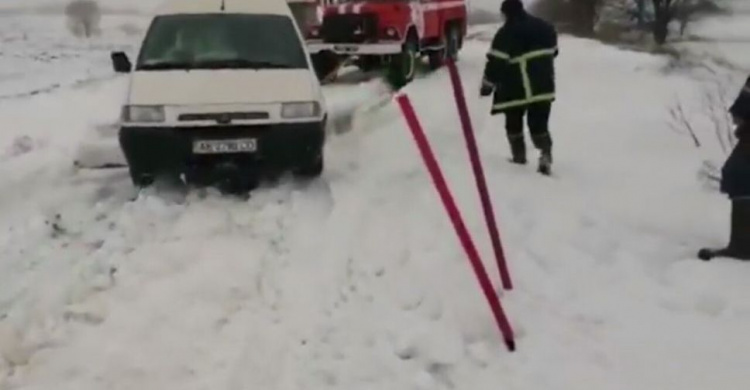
(390, 34)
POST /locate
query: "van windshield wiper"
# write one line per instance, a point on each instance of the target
(234, 63)
(239, 63)
(167, 66)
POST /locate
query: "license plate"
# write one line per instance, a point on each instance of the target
(345, 48)
(248, 145)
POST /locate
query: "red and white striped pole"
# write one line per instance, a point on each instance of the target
(441, 185)
(476, 165)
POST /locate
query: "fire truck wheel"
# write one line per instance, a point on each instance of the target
(452, 42)
(437, 58)
(404, 65)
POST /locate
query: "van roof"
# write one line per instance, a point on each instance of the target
(273, 7)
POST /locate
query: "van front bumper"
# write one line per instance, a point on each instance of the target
(155, 150)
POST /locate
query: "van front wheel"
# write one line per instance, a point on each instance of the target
(311, 168)
(142, 180)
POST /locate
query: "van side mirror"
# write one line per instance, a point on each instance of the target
(121, 62)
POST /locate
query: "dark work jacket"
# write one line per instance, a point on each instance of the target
(735, 175)
(741, 106)
(520, 63)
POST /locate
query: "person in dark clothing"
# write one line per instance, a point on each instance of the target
(740, 110)
(735, 183)
(520, 74)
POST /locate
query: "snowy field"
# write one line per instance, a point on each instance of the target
(39, 54)
(357, 281)
(725, 38)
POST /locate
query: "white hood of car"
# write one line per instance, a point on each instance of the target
(240, 86)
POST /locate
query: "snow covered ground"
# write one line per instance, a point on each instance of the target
(57, 7)
(357, 281)
(40, 55)
(725, 38)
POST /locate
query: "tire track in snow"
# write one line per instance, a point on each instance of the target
(135, 263)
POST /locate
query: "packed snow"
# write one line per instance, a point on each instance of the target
(357, 280)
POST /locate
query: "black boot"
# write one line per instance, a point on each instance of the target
(739, 236)
(545, 163)
(543, 143)
(518, 149)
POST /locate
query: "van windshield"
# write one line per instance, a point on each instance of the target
(221, 41)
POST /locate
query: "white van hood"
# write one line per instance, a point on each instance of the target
(198, 87)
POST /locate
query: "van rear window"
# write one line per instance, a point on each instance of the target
(221, 41)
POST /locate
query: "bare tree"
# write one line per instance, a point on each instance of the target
(682, 124)
(664, 13)
(589, 11)
(83, 17)
(579, 17)
(713, 120)
(680, 11)
(585, 17)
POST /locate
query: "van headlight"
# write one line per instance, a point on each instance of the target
(300, 110)
(142, 114)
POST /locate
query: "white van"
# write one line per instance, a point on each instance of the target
(221, 87)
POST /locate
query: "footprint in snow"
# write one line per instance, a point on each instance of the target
(442, 375)
(20, 146)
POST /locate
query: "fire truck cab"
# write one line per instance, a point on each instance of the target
(394, 34)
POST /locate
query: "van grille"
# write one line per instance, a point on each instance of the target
(350, 28)
(223, 117)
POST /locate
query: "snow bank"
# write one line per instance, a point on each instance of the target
(725, 28)
(57, 7)
(732, 28)
(40, 56)
(724, 37)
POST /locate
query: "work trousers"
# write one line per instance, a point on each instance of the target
(537, 117)
(739, 238)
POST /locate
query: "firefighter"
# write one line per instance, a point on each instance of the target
(520, 74)
(735, 183)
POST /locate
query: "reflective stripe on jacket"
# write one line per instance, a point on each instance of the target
(520, 63)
